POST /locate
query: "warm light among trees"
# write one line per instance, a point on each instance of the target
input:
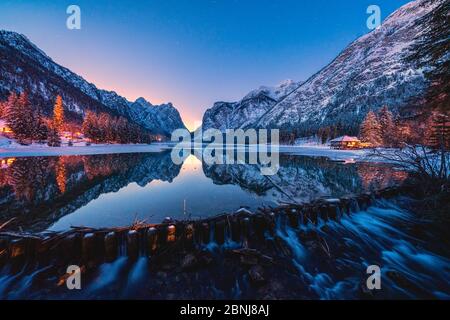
(58, 114)
(104, 128)
(370, 130)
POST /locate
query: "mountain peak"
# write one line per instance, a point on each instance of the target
(46, 79)
(143, 102)
(370, 72)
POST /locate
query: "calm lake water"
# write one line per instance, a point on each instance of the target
(55, 193)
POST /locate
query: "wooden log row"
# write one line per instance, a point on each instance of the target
(92, 246)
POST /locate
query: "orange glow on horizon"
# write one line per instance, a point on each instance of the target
(102, 80)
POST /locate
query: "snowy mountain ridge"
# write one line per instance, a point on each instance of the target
(245, 112)
(370, 72)
(24, 66)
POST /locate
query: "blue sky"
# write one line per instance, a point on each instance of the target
(192, 52)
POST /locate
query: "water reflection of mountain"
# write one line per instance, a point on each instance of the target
(40, 190)
(303, 178)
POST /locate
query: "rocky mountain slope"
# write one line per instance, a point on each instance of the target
(247, 111)
(373, 71)
(24, 66)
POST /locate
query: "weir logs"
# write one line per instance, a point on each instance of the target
(87, 247)
(132, 244)
(171, 233)
(242, 227)
(111, 246)
(17, 248)
(152, 240)
(189, 234)
(205, 235)
(220, 231)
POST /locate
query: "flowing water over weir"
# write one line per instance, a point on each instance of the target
(315, 250)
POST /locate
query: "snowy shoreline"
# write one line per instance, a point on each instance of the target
(36, 150)
(44, 150)
(325, 151)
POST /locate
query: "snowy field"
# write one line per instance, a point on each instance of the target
(9, 148)
(325, 151)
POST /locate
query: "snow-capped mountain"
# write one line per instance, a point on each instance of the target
(164, 117)
(24, 66)
(373, 71)
(245, 112)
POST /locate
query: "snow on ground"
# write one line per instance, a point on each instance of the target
(325, 151)
(12, 149)
(9, 148)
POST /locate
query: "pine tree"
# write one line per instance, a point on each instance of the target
(21, 118)
(122, 130)
(440, 132)
(53, 139)
(370, 130)
(28, 116)
(13, 117)
(3, 109)
(90, 126)
(41, 131)
(104, 125)
(434, 49)
(58, 114)
(12, 112)
(386, 120)
(402, 133)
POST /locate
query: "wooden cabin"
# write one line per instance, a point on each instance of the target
(346, 142)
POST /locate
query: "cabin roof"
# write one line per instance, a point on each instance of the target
(345, 139)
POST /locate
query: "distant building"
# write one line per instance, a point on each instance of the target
(347, 142)
(4, 127)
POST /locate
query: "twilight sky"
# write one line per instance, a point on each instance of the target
(192, 52)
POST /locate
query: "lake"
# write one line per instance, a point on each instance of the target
(55, 193)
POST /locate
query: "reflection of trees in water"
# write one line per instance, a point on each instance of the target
(28, 176)
(376, 177)
(60, 170)
(106, 165)
(46, 187)
(302, 178)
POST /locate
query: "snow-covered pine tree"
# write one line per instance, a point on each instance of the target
(370, 130)
(402, 132)
(386, 120)
(90, 126)
(40, 133)
(29, 118)
(12, 112)
(21, 118)
(440, 132)
(104, 125)
(122, 130)
(3, 108)
(53, 138)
